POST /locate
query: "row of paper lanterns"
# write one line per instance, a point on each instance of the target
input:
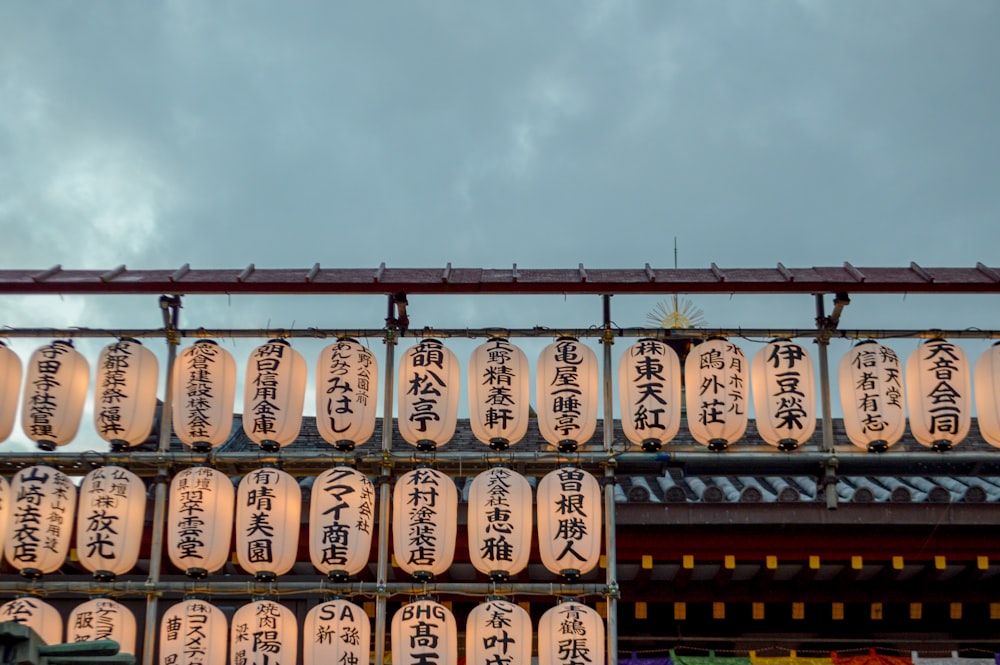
(195, 632)
(40, 506)
(718, 380)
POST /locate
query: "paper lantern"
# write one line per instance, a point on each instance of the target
(41, 521)
(273, 394)
(110, 521)
(341, 521)
(10, 384)
(268, 515)
(715, 378)
(425, 632)
(566, 383)
(500, 523)
(424, 522)
(987, 378)
(193, 632)
(102, 619)
(55, 390)
(938, 387)
(649, 388)
(346, 394)
(264, 633)
(200, 520)
(499, 392)
(125, 393)
(204, 394)
(569, 522)
(429, 378)
(870, 378)
(36, 614)
(784, 394)
(498, 631)
(336, 632)
(570, 633)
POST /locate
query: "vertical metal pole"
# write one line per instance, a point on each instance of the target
(384, 494)
(823, 341)
(170, 306)
(610, 538)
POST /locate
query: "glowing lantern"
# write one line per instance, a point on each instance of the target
(429, 378)
(336, 632)
(871, 396)
(716, 376)
(346, 394)
(102, 619)
(268, 512)
(10, 384)
(569, 521)
(566, 384)
(263, 633)
(200, 520)
(125, 395)
(649, 385)
(273, 394)
(499, 523)
(193, 632)
(204, 394)
(570, 633)
(498, 631)
(424, 632)
(36, 614)
(55, 390)
(937, 394)
(499, 390)
(987, 375)
(784, 394)
(109, 524)
(41, 521)
(341, 520)
(424, 522)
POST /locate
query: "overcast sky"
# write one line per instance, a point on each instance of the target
(484, 134)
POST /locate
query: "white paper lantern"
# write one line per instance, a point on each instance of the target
(424, 632)
(716, 378)
(55, 390)
(36, 614)
(987, 379)
(193, 632)
(424, 522)
(429, 378)
(10, 386)
(498, 631)
(870, 378)
(204, 394)
(566, 384)
(41, 522)
(938, 394)
(110, 521)
(569, 522)
(784, 394)
(200, 520)
(570, 633)
(499, 523)
(264, 633)
(341, 522)
(499, 392)
(346, 394)
(268, 515)
(649, 389)
(273, 394)
(125, 393)
(102, 619)
(336, 632)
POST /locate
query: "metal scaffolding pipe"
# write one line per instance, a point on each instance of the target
(610, 528)
(384, 489)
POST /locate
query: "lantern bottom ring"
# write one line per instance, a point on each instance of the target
(337, 575)
(119, 445)
(196, 573)
(787, 445)
(567, 446)
(423, 576)
(270, 446)
(879, 446)
(201, 446)
(104, 576)
(265, 576)
(651, 445)
(499, 443)
(717, 445)
(499, 576)
(941, 446)
(47, 446)
(344, 445)
(31, 573)
(426, 445)
(570, 574)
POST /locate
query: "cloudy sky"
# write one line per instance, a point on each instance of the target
(221, 134)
